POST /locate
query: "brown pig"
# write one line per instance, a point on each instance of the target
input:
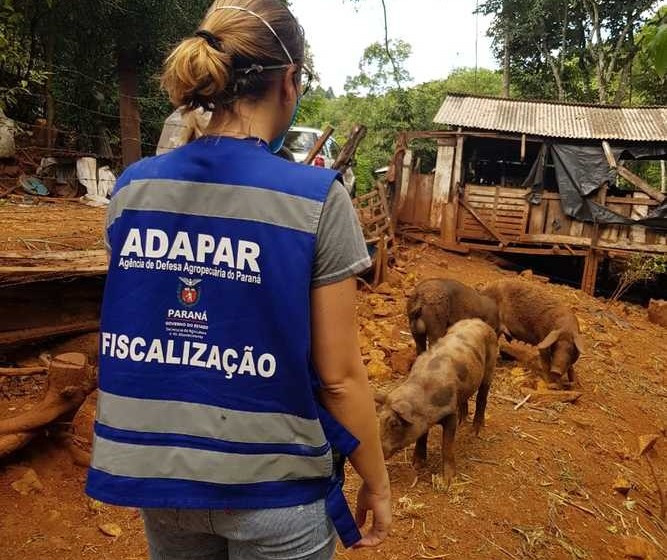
(436, 304)
(437, 392)
(530, 314)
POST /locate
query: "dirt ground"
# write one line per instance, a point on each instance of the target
(28, 224)
(537, 484)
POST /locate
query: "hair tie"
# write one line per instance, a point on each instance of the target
(211, 39)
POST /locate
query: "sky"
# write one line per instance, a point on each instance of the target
(441, 32)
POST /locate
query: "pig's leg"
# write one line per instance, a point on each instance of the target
(463, 411)
(572, 377)
(418, 330)
(480, 407)
(419, 455)
(420, 341)
(448, 436)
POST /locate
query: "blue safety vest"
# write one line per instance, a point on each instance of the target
(207, 392)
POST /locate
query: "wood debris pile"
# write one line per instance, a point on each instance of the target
(52, 267)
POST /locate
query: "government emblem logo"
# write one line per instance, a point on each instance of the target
(189, 291)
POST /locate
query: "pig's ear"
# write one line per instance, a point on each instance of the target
(550, 340)
(380, 398)
(404, 411)
(579, 343)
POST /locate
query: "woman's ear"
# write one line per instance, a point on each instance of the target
(290, 85)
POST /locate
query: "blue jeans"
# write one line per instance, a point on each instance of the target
(296, 533)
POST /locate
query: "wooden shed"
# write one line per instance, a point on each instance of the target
(537, 178)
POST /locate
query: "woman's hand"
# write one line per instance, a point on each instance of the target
(380, 504)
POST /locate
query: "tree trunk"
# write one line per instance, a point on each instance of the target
(555, 71)
(130, 121)
(623, 82)
(506, 50)
(50, 103)
(506, 64)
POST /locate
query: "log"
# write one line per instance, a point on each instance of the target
(452, 248)
(611, 160)
(69, 382)
(638, 182)
(22, 371)
(550, 239)
(81, 444)
(24, 336)
(317, 147)
(11, 443)
(346, 156)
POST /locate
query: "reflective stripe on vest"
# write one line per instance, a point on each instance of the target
(156, 461)
(241, 202)
(199, 420)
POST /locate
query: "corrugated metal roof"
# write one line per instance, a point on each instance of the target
(556, 120)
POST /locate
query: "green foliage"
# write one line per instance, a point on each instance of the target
(640, 267)
(649, 87)
(377, 74)
(391, 112)
(17, 75)
(579, 50)
(658, 50)
(77, 43)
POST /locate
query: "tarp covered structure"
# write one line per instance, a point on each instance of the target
(572, 135)
(582, 169)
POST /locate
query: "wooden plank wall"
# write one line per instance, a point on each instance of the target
(417, 207)
(503, 208)
(508, 211)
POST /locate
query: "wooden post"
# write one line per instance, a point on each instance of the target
(130, 122)
(451, 215)
(317, 147)
(523, 147)
(401, 177)
(640, 183)
(663, 176)
(346, 156)
(442, 181)
(395, 175)
(611, 160)
(384, 204)
(592, 263)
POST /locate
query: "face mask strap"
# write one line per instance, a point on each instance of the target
(266, 23)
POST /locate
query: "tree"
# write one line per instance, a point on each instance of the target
(79, 45)
(380, 69)
(570, 49)
(396, 110)
(648, 74)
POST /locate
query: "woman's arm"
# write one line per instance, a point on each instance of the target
(346, 394)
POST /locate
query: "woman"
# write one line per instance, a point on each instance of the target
(230, 375)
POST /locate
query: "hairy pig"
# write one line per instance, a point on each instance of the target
(437, 390)
(437, 304)
(530, 314)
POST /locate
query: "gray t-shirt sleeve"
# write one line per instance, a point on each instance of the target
(341, 249)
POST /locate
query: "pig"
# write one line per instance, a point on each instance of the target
(437, 390)
(530, 314)
(436, 304)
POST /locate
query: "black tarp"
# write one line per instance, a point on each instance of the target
(581, 169)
